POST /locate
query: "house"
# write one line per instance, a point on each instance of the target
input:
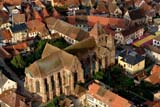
(5, 37)
(4, 17)
(114, 9)
(101, 9)
(129, 35)
(153, 52)
(148, 10)
(131, 61)
(80, 92)
(10, 98)
(69, 32)
(157, 23)
(157, 96)
(19, 32)
(54, 74)
(154, 77)
(6, 83)
(99, 96)
(135, 17)
(36, 27)
(156, 41)
(72, 9)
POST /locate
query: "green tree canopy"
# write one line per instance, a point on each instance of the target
(99, 75)
(18, 62)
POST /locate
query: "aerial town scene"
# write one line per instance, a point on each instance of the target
(79, 53)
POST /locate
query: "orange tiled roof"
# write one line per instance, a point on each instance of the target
(6, 34)
(19, 46)
(154, 78)
(13, 2)
(37, 15)
(155, 69)
(3, 17)
(107, 97)
(35, 25)
(56, 14)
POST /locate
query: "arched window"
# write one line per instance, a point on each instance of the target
(37, 86)
(52, 81)
(46, 85)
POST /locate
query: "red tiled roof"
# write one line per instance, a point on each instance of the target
(107, 97)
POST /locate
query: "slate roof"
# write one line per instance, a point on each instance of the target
(136, 14)
(131, 57)
(131, 30)
(18, 28)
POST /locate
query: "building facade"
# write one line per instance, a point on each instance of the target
(99, 96)
(55, 73)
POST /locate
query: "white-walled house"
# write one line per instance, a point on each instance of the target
(5, 37)
(153, 52)
(6, 83)
(19, 32)
(156, 41)
(99, 96)
(69, 32)
(129, 35)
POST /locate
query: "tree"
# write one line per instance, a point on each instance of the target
(18, 62)
(54, 102)
(99, 75)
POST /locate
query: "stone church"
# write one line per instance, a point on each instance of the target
(95, 53)
(55, 73)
